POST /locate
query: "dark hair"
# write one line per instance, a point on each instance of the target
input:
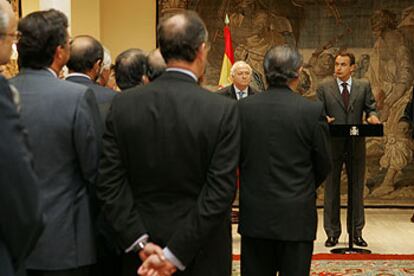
(347, 54)
(129, 68)
(156, 65)
(181, 40)
(281, 64)
(85, 51)
(42, 32)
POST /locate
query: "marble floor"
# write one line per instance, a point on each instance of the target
(387, 231)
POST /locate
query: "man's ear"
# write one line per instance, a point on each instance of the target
(97, 66)
(353, 67)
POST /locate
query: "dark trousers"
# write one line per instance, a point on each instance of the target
(331, 218)
(81, 271)
(265, 257)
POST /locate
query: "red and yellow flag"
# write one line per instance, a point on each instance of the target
(228, 58)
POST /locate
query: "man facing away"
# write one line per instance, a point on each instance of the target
(241, 76)
(131, 68)
(284, 157)
(86, 57)
(346, 100)
(20, 208)
(85, 62)
(171, 150)
(62, 119)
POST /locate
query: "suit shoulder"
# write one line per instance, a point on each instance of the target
(361, 82)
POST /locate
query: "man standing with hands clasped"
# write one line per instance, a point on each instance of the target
(345, 101)
(170, 154)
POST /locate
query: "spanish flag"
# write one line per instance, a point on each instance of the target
(228, 58)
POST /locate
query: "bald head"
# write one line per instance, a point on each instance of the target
(156, 64)
(8, 26)
(181, 35)
(86, 55)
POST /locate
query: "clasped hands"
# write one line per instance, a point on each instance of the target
(154, 262)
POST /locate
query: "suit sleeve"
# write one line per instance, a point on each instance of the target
(321, 153)
(87, 136)
(370, 106)
(114, 191)
(20, 212)
(214, 201)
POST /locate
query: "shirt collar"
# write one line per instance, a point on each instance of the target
(348, 81)
(238, 90)
(184, 71)
(51, 71)
(76, 74)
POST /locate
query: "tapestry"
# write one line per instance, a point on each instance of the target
(379, 32)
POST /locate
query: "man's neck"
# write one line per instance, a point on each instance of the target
(240, 88)
(185, 66)
(347, 79)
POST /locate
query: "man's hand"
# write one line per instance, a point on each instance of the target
(373, 120)
(330, 119)
(154, 266)
(151, 249)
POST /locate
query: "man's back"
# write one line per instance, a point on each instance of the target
(60, 117)
(283, 160)
(178, 146)
(102, 94)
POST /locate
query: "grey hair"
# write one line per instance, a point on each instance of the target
(237, 65)
(107, 61)
(281, 64)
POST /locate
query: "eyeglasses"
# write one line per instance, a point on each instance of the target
(15, 36)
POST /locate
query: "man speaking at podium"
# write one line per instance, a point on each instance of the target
(346, 100)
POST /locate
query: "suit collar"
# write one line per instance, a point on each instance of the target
(184, 71)
(280, 89)
(337, 93)
(176, 75)
(233, 91)
(78, 77)
(40, 72)
(334, 88)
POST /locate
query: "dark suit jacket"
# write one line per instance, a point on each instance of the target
(171, 150)
(361, 102)
(63, 123)
(103, 95)
(284, 158)
(20, 212)
(230, 92)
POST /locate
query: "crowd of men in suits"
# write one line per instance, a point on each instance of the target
(99, 183)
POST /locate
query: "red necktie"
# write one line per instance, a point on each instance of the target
(345, 94)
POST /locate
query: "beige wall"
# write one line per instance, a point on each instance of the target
(119, 24)
(29, 6)
(128, 23)
(86, 18)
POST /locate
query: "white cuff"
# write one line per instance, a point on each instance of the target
(143, 238)
(173, 259)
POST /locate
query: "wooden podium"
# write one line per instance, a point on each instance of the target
(351, 132)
